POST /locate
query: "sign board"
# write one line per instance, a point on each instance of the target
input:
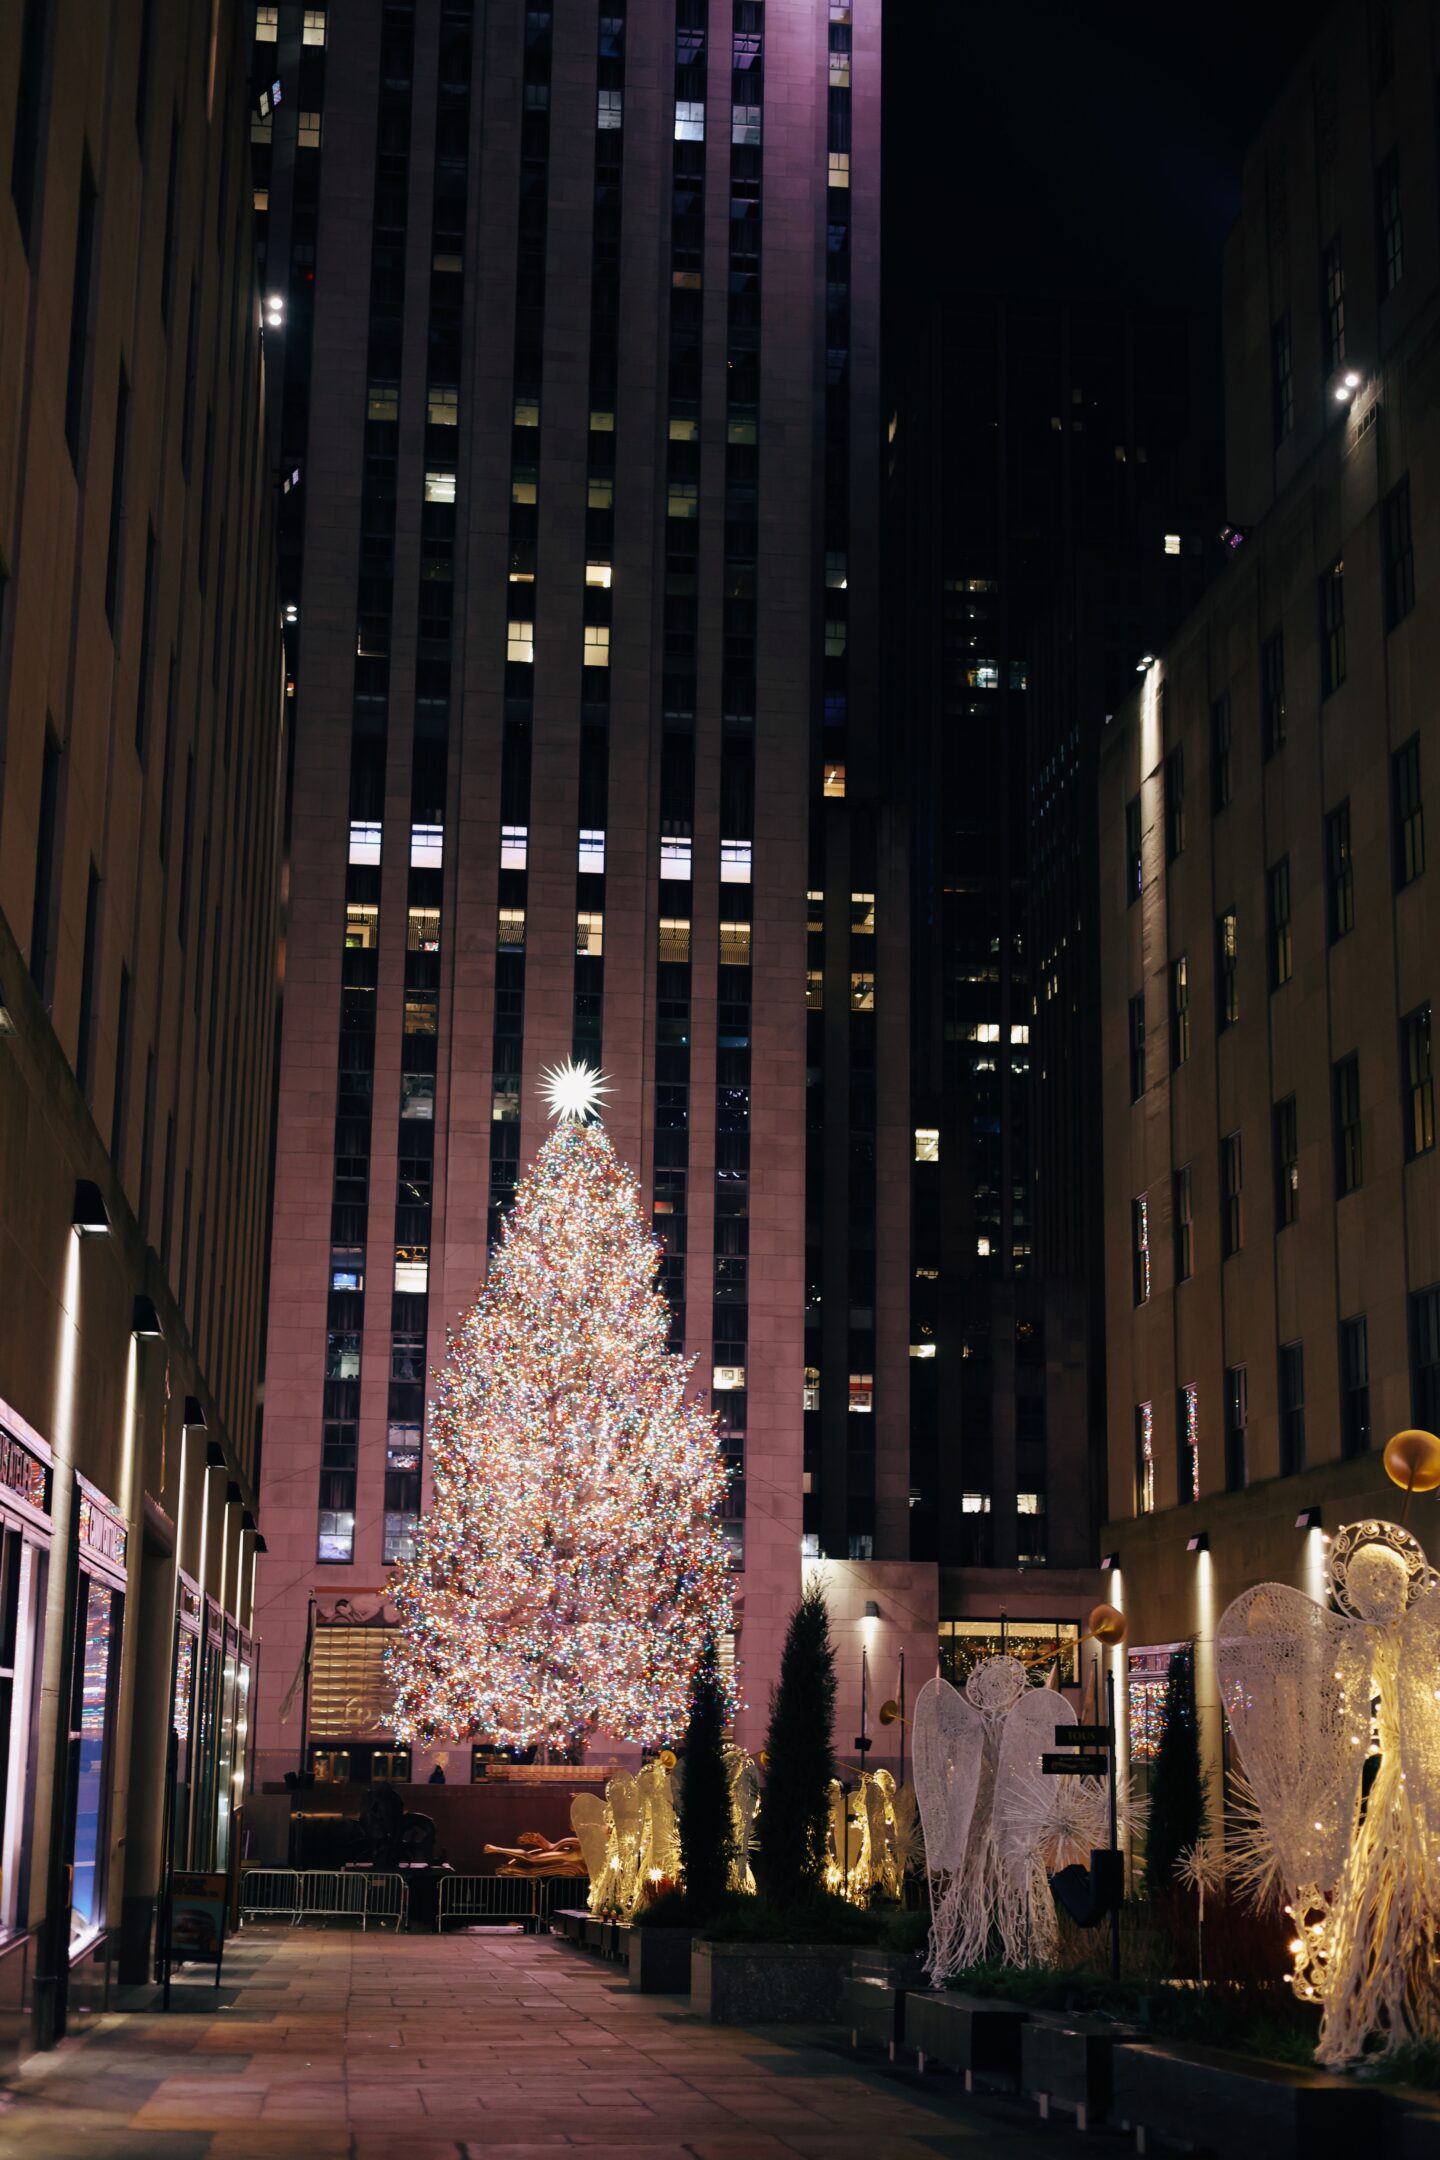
(1084, 1736)
(197, 1920)
(1075, 1765)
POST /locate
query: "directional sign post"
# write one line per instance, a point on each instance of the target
(1089, 1751)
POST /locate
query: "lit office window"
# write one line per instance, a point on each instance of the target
(510, 933)
(674, 858)
(735, 862)
(689, 120)
(927, 1143)
(520, 643)
(674, 938)
(427, 847)
(514, 846)
(734, 944)
(439, 485)
(590, 933)
(313, 27)
(592, 853)
(364, 841)
(597, 645)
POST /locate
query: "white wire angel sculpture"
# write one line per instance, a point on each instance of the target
(1308, 1693)
(977, 1777)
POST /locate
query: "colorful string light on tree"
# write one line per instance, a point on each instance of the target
(572, 1563)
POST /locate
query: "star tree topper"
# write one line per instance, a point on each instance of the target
(574, 1093)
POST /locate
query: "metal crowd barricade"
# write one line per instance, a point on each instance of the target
(327, 1894)
(530, 1900)
(270, 1894)
(387, 1897)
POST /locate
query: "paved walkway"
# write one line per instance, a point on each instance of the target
(484, 2046)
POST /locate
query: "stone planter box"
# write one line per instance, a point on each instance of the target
(902, 1969)
(767, 1983)
(659, 1960)
(1239, 2109)
(873, 2010)
(1412, 2123)
(1070, 2065)
(570, 1922)
(964, 2033)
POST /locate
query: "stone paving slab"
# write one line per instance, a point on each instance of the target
(336, 2046)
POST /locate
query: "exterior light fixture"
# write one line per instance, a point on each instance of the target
(1199, 1543)
(195, 1419)
(260, 1545)
(1144, 663)
(233, 1495)
(214, 1455)
(1308, 1519)
(247, 1520)
(1110, 1561)
(872, 1610)
(88, 1216)
(144, 1320)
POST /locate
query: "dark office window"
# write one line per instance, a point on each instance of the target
(1222, 777)
(1418, 1071)
(167, 1192)
(25, 157)
(1287, 1163)
(1332, 628)
(1398, 554)
(142, 70)
(1184, 1226)
(1390, 231)
(1332, 302)
(85, 1038)
(1179, 1011)
(117, 499)
(1232, 1190)
(1409, 812)
(1227, 969)
(142, 687)
(41, 920)
(1292, 1408)
(1137, 1046)
(1272, 693)
(1354, 1387)
(1339, 874)
(1140, 1249)
(147, 1147)
(1425, 1358)
(80, 313)
(1282, 948)
(1175, 804)
(1237, 1416)
(1282, 379)
(167, 260)
(1349, 1153)
(1134, 861)
(1382, 43)
(120, 1108)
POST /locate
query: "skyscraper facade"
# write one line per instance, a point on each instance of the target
(579, 427)
(1268, 913)
(141, 778)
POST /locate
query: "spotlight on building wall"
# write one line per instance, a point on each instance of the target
(1308, 1519)
(7, 1020)
(144, 1320)
(1199, 1543)
(872, 1610)
(88, 1214)
(1344, 386)
(1144, 663)
(1109, 1560)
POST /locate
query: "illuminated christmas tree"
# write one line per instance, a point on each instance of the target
(572, 1566)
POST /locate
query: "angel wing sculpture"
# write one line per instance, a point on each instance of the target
(744, 1782)
(977, 1760)
(590, 1825)
(1309, 1694)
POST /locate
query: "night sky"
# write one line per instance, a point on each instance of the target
(1076, 148)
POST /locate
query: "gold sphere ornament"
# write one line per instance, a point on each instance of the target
(1106, 1624)
(890, 1713)
(1412, 1460)
(764, 1758)
(668, 1758)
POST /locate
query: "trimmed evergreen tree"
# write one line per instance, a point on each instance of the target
(1177, 1789)
(795, 1806)
(707, 1832)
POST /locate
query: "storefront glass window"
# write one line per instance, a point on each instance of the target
(99, 1622)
